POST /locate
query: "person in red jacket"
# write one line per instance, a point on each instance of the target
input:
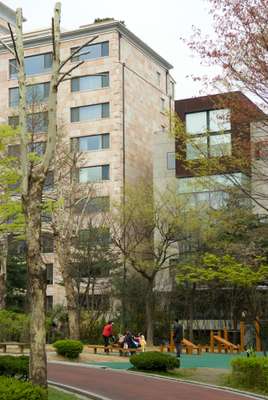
(107, 333)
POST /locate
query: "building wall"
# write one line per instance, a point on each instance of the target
(259, 187)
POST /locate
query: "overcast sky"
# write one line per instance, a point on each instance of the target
(159, 23)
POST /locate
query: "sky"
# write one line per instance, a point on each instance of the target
(159, 23)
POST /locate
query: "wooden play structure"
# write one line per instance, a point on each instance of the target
(219, 342)
(222, 342)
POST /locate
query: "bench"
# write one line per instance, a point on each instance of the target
(97, 347)
(126, 352)
(21, 346)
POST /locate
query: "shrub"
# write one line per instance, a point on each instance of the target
(14, 326)
(68, 348)
(154, 361)
(13, 366)
(12, 389)
(251, 372)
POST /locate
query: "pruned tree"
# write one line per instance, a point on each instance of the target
(32, 182)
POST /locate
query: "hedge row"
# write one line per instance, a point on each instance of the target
(251, 373)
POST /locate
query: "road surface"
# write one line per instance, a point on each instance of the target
(122, 385)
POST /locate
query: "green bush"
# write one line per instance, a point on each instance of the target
(251, 372)
(12, 389)
(154, 361)
(13, 366)
(68, 348)
(14, 327)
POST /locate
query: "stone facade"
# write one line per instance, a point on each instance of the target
(140, 92)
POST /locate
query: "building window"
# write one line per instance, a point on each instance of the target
(90, 143)
(94, 205)
(34, 65)
(49, 270)
(197, 148)
(92, 51)
(158, 78)
(162, 105)
(92, 112)
(47, 243)
(210, 131)
(261, 150)
(49, 182)
(49, 303)
(94, 174)
(90, 82)
(34, 94)
(171, 160)
(36, 122)
(220, 145)
(13, 150)
(94, 235)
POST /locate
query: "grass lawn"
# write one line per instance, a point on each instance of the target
(204, 375)
(54, 394)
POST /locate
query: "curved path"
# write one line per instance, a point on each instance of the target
(122, 385)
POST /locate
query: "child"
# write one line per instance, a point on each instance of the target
(142, 342)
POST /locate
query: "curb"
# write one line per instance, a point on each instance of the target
(72, 389)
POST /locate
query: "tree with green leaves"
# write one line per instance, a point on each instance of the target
(231, 257)
(11, 217)
(147, 231)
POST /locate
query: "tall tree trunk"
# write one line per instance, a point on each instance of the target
(37, 285)
(149, 309)
(63, 257)
(3, 270)
(191, 312)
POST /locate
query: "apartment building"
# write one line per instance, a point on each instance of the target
(111, 107)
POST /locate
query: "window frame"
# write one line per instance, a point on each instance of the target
(90, 119)
(76, 58)
(101, 74)
(168, 154)
(209, 134)
(45, 71)
(102, 166)
(28, 86)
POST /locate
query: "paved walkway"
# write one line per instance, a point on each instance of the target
(121, 385)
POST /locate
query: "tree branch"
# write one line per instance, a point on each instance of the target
(68, 72)
(76, 51)
(14, 43)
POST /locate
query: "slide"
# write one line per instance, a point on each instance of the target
(225, 343)
(187, 342)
